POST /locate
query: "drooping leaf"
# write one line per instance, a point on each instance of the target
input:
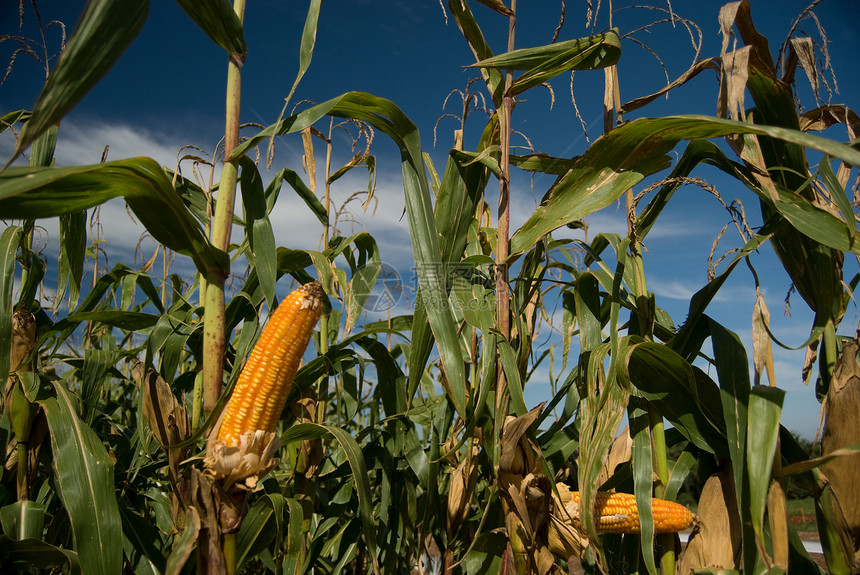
(543, 63)
(258, 228)
(39, 554)
(105, 29)
(46, 192)
(83, 474)
(623, 157)
(219, 21)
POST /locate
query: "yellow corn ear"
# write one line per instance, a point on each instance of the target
(617, 513)
(265, 381)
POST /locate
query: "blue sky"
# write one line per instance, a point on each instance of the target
(167, 91)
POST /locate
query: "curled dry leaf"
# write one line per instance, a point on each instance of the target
(762, 350)
(716, 544)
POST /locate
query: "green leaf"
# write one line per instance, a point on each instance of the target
(473, 35)
(9, 240)
(546, 62)
(29, 193)
(125, 320)
(623, 157)
(358, 466)
(83, 474)
(258, 228)
(219, 21)
(23, 519)
(295, 533)
(643, 476)
(765, 409)
(105, 30)
(306, 194)
(485, 556)
(141, 542)
(185, 544)
(681, 393)
(38, 554)
(73, 251)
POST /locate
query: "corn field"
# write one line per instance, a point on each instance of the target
(163, 422)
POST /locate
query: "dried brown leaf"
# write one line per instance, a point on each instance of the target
(716, 543)
(762, 349)
(695, 70)
(736, 72)
(805, 51)
(823, 117)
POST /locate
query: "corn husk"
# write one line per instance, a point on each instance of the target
(842, 405)
(716, 543)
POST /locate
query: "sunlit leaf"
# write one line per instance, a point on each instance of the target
(106, 28)
(83, 472)
(219, 21)
(46, 192)
(623, 157)
(543, 63)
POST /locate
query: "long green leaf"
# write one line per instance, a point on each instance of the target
(219, 21)
(480, 48)
(543, 63)
(623, 157)
(105, 30)
(46, 192)
(23, 519)
(83, 474)
(258, 228)
(73, 246)
(765, 409)
(37, 553)
(680, 392)
(9, 240)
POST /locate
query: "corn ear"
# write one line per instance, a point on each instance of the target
(265, 382)
(617, 513)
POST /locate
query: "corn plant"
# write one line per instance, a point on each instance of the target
(383, 460)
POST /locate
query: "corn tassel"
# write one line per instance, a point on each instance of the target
(617, 513)
(266, 380)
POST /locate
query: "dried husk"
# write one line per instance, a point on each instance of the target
(565, 539)
(19, 409)
(716, 543)
(527, 497)
(619, 453)
(842, 406)
(23, 341)
(241, 467)
(205, 499)
(166, 415)
(762, 349)
(463, 480)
